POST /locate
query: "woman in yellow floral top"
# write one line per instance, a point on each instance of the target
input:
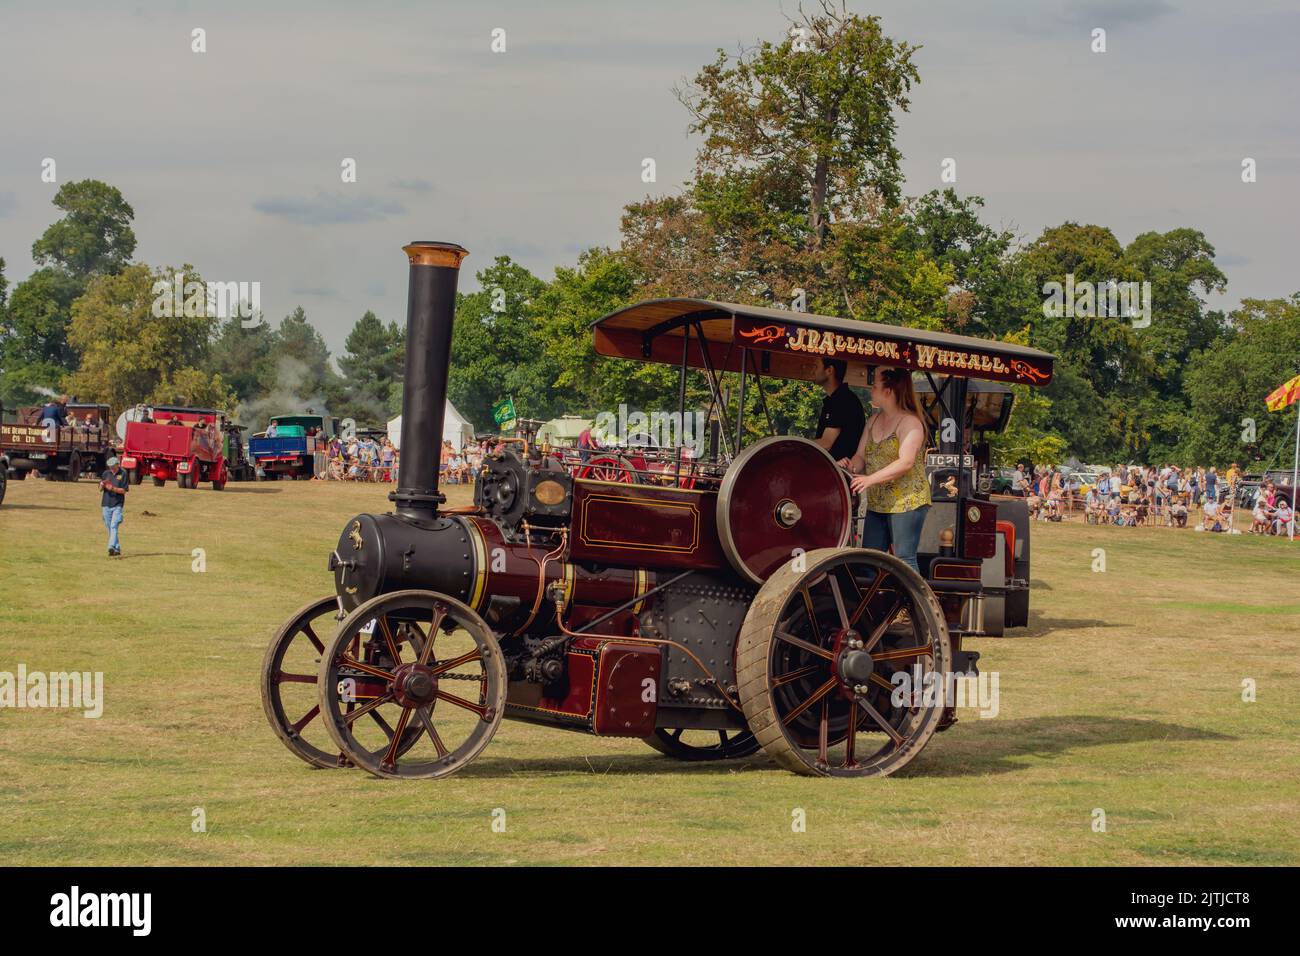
(890, 467)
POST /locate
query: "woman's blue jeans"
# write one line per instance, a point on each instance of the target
(902, 530)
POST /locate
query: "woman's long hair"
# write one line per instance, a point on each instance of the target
(898, 381)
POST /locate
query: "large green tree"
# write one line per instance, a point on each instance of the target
(497, 349)
(131, 351)
(810, 117)
(93, 238)
(372, 369)
(1118, 391)
(795, 198)
(1227, 381)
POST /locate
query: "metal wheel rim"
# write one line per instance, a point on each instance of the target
(784, 684)
(337, 664)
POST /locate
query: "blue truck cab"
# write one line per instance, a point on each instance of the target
(296, 450)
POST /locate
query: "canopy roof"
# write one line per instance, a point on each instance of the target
(789, 344)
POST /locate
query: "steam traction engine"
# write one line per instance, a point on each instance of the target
(709, 619)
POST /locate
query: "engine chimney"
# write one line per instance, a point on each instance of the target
(430, 311)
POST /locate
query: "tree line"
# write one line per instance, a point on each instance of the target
(796, 200)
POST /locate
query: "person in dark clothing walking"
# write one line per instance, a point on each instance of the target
(114, 484)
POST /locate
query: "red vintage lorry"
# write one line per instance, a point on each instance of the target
(172, 442)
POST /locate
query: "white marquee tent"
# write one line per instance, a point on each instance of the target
(455, 428)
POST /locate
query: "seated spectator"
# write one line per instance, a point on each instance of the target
(1092, 507)
(1178, 512)
(1260, 522)
(1283, 518)
(1210, 522)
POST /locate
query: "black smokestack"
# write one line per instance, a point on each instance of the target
(430, 310)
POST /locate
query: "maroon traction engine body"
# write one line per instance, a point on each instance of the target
(710, 620)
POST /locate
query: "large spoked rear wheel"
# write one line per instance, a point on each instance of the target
(817, 659)
(701, 745)
(290, 670)
(444, 676)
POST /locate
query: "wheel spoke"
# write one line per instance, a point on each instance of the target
(800, 642)
(875, 715)
(423, 713)
(283, 678)
(795, 675)
(390, 758)
(462, 702)
(812, 616)
(839, 600)
(903, 653)
(439, 613)
(384, 725)
(881, 682)
(883, 626)
(345, 661)
(307, 719)
(311, 636)
(817, 695)
(455, 662)
(351, 716)
(388, 639)
(866, 598)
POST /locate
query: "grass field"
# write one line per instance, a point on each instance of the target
(1125, 695)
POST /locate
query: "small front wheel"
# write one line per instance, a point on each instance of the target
(412, 659)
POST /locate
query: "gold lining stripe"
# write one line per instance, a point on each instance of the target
(639, 588)
(626, 484)
(479, 544)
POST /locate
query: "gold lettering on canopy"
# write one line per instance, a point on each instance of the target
(831, 344)
(907, 354)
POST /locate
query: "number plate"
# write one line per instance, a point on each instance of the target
(949, 461)
(38, 454)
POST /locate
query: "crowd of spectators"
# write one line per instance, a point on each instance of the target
(1136, 496)
(372, 459)
(361, 459)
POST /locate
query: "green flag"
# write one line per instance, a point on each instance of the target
(503, 413)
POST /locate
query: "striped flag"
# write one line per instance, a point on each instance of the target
(1284, 395)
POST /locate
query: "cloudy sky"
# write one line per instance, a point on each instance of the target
(231, 158)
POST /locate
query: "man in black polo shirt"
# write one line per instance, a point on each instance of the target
(114, 484)
(839, 427)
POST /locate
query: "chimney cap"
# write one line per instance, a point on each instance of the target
(428, 253)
